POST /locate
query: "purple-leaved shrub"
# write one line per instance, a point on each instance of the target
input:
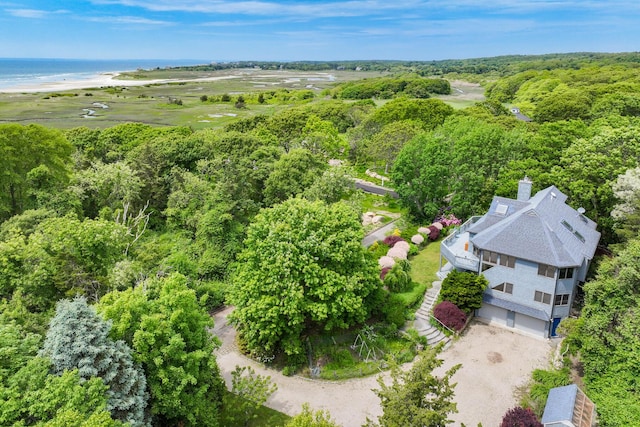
(450, 315)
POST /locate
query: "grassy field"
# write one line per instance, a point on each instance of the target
(151, 103)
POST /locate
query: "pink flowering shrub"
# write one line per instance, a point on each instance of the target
(386, 261)
(392, 240)
(448, 220)
(398, 253)
(405, 246)
(450, 315)
(424, 230)
(417, 239)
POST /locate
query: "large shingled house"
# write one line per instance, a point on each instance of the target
(534, 251)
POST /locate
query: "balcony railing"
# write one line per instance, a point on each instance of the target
(453, 247)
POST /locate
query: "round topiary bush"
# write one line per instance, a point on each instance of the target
(450, 315)
(398, 253)
(386, 261)
(520, 417)
(404, 245)
(417, 239)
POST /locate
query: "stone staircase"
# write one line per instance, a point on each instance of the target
(422, 323)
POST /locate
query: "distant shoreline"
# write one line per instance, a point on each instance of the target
(99, 80)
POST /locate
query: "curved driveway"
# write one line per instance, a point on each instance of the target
(495, 363)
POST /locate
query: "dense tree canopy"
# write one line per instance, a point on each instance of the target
(167, 329)
(303, 267)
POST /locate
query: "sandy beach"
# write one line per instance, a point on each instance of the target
(100, 80)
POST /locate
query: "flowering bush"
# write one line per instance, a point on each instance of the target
(404, 245)
(417, 239)
(392, 240)
(520, 417)
(386, 261)
(398, 253)
(424, 230)
(448, 220)
(450, 315)
(437, 225)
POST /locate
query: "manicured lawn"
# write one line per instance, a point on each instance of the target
(425, 265)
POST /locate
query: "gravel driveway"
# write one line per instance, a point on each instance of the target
(495, 362)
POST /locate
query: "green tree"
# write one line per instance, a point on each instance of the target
(78, 339)
(310, 418)
(27, 150)
(335, 184)
(303, 268)
(421, 173)
(34, 396)
(251, 390)
(293, 173)
(417, 398)
(386, 144)
(609, 343)
(168, 331)
(61, 257)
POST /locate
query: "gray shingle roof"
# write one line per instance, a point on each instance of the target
(543, 229)
(518, 308)
(560, 404)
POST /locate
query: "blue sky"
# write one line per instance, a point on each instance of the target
(314, 30)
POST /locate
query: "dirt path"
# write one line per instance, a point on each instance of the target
(495, 362)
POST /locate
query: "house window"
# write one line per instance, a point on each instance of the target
(561, 299)
(542, 297)
(565, 273)
(490, 257)
(546, 270)
(505, 287)
(507, 260)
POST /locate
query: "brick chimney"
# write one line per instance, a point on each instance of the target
(524, 189)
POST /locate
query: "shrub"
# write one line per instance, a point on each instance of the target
(413, 250)
(386, 261)
(394, 311)
(450, 315)
(434, 233)
(398, 253)
(405, 246)
(384, 272)
(448, 220)
(392, 240)
(464, 290)
(398, 278)
(520, 417)
(417, 239)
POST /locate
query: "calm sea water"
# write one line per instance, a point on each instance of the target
(18, 72)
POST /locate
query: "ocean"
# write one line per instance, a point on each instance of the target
(27, 71)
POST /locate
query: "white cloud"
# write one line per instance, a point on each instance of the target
(272, 8)
(127, 20)
(28, 13)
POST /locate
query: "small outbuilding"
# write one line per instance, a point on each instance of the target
(568, 406)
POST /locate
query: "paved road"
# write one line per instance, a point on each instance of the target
(370, 187)
(378, 234)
